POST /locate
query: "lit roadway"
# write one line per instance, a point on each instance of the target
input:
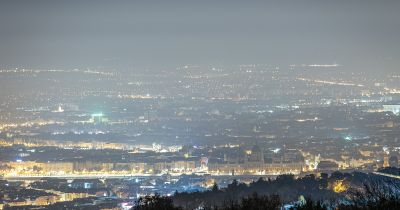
(122, 176)
(387, 175)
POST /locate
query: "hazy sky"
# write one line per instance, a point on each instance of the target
(361, 34)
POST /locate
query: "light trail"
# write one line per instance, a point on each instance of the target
(387, 175)
(329, 82)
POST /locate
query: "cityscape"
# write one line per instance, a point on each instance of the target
(308, 134)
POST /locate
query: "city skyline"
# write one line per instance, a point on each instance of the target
(199, 105)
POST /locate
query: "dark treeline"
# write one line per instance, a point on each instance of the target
(273, 202)
(339, 191)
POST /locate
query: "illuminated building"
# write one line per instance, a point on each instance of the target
(339, 186)
(386, 160)
(394, 108)
(327, 166)
(254, 155)
(175, 166)
(256, 168)
(204, 162)
(98, 118)
(59, 110)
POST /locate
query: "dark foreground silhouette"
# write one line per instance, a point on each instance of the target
(361, 192)
(273, 202)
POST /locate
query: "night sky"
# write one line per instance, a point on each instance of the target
(362, 35)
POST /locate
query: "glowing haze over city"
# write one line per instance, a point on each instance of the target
(200, 104)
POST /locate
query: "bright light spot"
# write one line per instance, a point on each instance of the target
(97, 114)
(348, 138)
(276, 150)
(339, 186)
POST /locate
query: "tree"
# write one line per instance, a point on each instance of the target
(376, 195)
(233, 185)
(253, 202)
(311, 205)
(215, 188)
(155, 202)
